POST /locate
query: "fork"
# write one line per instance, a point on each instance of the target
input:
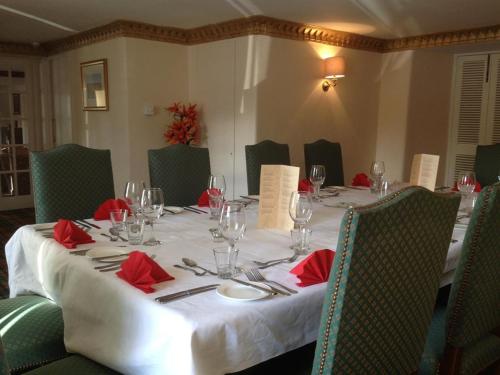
(254, 275)
(289, 260)
(190, 269)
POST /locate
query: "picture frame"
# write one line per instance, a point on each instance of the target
(94, 76)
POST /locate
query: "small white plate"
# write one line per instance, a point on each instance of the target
(334, 188)
(238, 292)
(105, 251)
(172, 209)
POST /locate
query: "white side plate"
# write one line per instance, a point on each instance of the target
(237, 292)
(105, 251)
(172, 209)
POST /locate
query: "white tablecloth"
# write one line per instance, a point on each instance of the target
(113, 323)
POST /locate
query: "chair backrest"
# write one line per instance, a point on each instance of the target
(487, 164)
(383, 283)
(474, 303)
(70, 182)
(265, 152)
(180, 171)
(329, 154)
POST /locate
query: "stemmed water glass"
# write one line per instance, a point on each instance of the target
(317, 177)
(300, 209)
(377, 171)
(133, 195)
(215, 191)
(152, 207)
(232, 222)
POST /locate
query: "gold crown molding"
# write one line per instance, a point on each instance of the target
(21, 49)
(442, 39)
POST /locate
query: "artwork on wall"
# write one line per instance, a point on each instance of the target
(95, 85)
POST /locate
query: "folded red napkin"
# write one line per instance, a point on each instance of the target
(305, 185)
(203, 199)
(141, 271)
(476, 189)
(361, 179)
(102, 212)
(69, 235)
(314, 269)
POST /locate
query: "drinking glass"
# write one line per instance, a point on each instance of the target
(300, 209)
(133, 194)
(135, 229)
(225, 261)
(232, 222)
(466, 182)
(317, 177)
(215, 191)
(152, 207)
(377, 171)
(118, 218)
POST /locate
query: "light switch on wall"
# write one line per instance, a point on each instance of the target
(149, 110)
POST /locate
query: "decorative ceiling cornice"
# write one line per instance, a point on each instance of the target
(468, 36)
(255, 25)
(21, 49)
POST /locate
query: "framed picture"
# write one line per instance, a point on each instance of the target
(95, 85)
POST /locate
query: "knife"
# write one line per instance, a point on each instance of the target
(80, 223)
(91, 224)
(197, 210)
(185, 293)
(253, 286)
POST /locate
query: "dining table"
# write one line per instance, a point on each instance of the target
(112, 322)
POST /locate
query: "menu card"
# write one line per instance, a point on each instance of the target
(277, 182)
(424, 170)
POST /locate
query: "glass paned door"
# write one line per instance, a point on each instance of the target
(16, 120)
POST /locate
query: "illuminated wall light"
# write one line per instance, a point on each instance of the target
(334, 69)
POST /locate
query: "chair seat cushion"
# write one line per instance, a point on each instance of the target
(74, 365)
(32, 330)
(480, 354)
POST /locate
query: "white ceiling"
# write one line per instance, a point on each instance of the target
(378, 18)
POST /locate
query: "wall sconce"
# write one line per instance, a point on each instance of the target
(334, 69)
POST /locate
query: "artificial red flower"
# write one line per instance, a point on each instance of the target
(185, 128)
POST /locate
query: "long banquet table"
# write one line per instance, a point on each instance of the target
(115, 324)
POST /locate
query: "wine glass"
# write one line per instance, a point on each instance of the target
(377, 171)
(300, 209)
(215, 191)
(466, 182)
(317, 177)
(133, 194)
(152, 207)
(232, 222)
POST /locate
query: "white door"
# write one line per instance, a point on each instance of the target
(16, 133)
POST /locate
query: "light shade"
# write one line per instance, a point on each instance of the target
(334, 67)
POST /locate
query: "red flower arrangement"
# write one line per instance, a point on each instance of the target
(185, 128)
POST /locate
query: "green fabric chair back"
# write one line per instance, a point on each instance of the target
(383, 283)
(31, 330)
(474, 304)
(70, 182)
(329, 154)
(487, 164)
(181, 172)
(265, 152)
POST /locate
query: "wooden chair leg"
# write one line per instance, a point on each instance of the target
(450, 364)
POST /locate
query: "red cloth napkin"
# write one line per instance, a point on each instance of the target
(102, 212)
(141, 271)
(306, 185)
(314, 269)
(476, 189)
(203, 199)
(69, 235)
(361, 179)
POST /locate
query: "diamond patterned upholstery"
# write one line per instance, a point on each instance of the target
(181, 172)
(73, 365)
(383, 283)
(70, 182)
(265, 152)
(31, 329)
(487, 164)
(329, 154)
(474, 303)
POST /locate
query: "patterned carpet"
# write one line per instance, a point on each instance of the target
(9, 222)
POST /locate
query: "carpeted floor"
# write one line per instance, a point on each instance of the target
(9, 222)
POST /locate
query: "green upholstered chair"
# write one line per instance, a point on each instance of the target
(31, 330)
(383, 283)
(487, 164)
(73, 365)
(329, 154)
(461, 334)
(265, 152)
(70, 182)
(181, 172)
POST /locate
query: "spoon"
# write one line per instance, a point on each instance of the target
(115, 232)
(113, 239)
(190, 269)
(191, 263)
